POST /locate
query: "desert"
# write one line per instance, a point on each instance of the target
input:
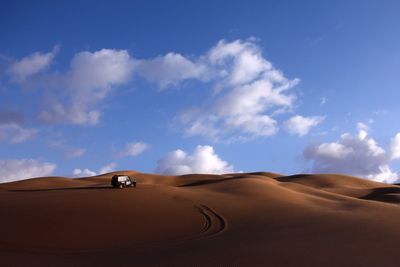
(239, 219)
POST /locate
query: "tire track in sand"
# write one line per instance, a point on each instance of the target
(214, 223)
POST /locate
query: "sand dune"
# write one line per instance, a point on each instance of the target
(244, 219)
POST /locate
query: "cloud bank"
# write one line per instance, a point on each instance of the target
(247, 93)
(17, 169)
(358, 155)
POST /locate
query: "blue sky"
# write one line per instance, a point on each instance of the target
(199, 86)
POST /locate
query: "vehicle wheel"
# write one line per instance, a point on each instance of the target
(121, 186)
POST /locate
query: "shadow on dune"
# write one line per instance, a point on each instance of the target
(290, 178)
(384, 194)
(62, 189)
(213, 181)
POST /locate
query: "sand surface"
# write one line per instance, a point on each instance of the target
(253, 219)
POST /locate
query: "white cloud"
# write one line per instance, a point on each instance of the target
(250, 92)
(362, 126)
(395, 147)
(241, 62)
(299, 125)
(203, 160)
(323, 101)
(87, 172)
(134, 149)
(170, 69)
(83, 173)
(260, 125)
(100, 70)
(357, 155)
(334, 150)
(19, 169)
(11, 129)
(108, 168)
(91, 77)
(31, 65)
(362, 130)
(14, 133)
(249, 89)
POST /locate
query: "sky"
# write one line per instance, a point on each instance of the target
(176, 87)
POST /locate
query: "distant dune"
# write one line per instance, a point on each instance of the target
(241, 219)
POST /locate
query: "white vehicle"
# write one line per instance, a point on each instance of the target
(122, 181)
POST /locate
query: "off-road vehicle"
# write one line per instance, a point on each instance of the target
(122, 181)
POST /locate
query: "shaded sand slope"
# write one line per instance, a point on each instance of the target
(246, 219)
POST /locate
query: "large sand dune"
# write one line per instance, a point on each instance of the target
(246, 219)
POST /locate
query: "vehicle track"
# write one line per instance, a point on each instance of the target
(214, 222)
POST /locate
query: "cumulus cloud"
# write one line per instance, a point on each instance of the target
(362, 126)
(134, 149)
(87, 172)
(358, 155)
(19, 169)
(108, 168)
(15, 133)
(249, 89)
(202, 160)
(170, 69)
(241, 62)
(83, 173)
(31, 65)
(395, 147)
(250, 92)
(299, 125)
(91, 77)
(11, 129)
